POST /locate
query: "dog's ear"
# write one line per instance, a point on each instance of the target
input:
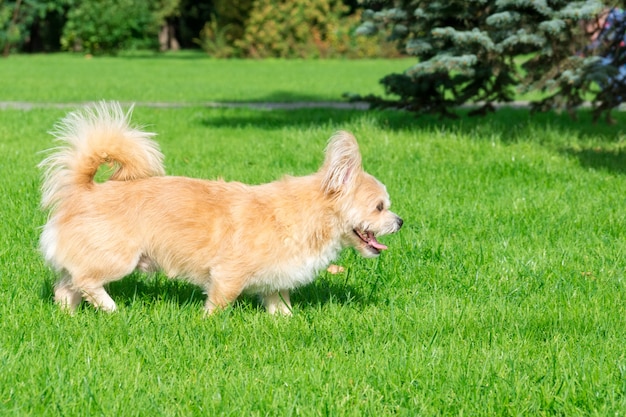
(342, 164)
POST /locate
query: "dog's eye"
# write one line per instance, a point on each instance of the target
(380, 206)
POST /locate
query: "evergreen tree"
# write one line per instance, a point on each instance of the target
(609, 70)
(481, 51)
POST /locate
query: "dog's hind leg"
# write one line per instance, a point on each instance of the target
(90, 279)
(92, 289)
(66, 295)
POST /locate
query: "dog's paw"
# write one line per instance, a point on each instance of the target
(335, 269)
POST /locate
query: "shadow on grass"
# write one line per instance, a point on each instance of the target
(278, 119)
(510, 124)
(178, 55)
(286, 97)
(145, 289)
(612, 160)
(331, 290)
(139, 287)
(556, 131)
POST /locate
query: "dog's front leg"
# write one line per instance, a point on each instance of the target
(98, 297)
(221, 293)
(278, 302)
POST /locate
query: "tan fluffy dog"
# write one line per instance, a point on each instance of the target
(226, 237)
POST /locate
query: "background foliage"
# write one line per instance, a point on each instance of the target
(484, 51)
(481, 52)
(301, 28)
(98, 26)
(239, 28)
(28, 25)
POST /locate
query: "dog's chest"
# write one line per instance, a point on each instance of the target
(293, 273)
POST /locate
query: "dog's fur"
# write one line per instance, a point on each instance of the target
(226, 237)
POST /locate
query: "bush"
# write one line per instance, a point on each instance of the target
(19, 18)
(215, 40)
(226, 27)
(107, 26)
(305, 29)
(290, 29)
(9, 31)
(469, 51)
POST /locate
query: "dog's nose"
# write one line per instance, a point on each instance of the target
(400, 222)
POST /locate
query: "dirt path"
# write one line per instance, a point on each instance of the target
(27, 105)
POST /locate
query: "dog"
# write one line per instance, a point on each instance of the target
(226, 237)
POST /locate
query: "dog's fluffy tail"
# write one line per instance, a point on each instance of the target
(95, 135)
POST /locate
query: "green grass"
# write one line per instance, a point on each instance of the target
(503, 294)
(186, 77)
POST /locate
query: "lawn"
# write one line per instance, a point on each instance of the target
(187, 77)
(503, 294)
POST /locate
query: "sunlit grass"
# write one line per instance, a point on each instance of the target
(186, 78)
(503, 294)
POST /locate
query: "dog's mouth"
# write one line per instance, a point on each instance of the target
(370, 241)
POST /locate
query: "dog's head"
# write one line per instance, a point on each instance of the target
(361, 200)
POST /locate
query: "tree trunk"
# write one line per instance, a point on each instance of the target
(167, 38)
(7, 45)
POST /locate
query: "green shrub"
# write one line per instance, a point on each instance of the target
(486, 51)
(305, 29)
(227, 26)
(107, 26)
(289, 29)
(18, 20)
(215, 40)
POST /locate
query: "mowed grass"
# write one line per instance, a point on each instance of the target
(503, 294)
(187, 77)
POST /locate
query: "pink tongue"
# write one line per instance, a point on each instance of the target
(375, 244)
